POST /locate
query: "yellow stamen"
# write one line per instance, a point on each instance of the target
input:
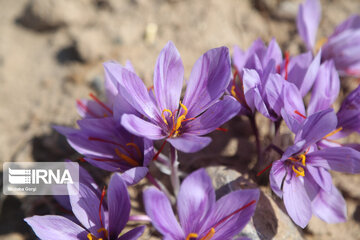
(233, 93)
(333, 132)
(136, 148)
(303, 159)
(320, 43)
(209, 235)
(191, 235)
(163, 116)
(181, 118)
(299, 172)
(105, 232)
(90, 236)
(128, 159)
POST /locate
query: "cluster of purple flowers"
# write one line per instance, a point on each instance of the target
(118, 135)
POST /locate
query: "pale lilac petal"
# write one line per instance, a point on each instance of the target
(273, 52)
(330, 206)
(277, 176)
(260, 104)
(296, 200)
(85, 206)
(133, 234)
(227, 205)
(311, 186)
(134, 175)
(90, 109)
(317, 126)
(142, 128)
(250, 81)
(308, 20)
(321, 176)
(342, 159)
(273, 92)
(239, 58)
(168, 78)
(195, 201)
(208, 80)
(214, 117)
(298, 66)
(326, 88)
(135, 92)
(55, 227)
(118, 205)
(310, 75)
(189, 143)
(158, 208)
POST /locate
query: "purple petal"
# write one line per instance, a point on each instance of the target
(135, 92)
(55, 227)
(85, 206)
(296, 200)
(214, 117)
(273, 91)
(189, 143)
(316, 127)
(134, 175)
(326, 88)
(310, 75)
(90, 109)
(342, 159)
(208, 80)
(226, 206)
(298, 66)
(195, 201)
(273, 52)
(158, 208)
(321, 176)
(133, 234)
(308, 20)
(141, 127)
(168, 78)
(118, 205)
(250, 81)
(277, 175)
(330, 206)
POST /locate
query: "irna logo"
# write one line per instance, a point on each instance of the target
(38, 176)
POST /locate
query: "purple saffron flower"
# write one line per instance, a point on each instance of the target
(342, 46)
(201, 217)
(181, 123)
(301, 177)
(96, 220)
(104, 142)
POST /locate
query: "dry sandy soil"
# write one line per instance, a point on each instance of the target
(51, 53)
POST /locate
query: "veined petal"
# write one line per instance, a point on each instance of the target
(195, 201)
(189, 143)
(316, 127)
(118, 205)
(326, 88)
(214, 117)
(208, 80)
(342, 159)
(168, 78)
(142, 128)
(321, 176)
(278, 174)
(133, 234)
(308, 20)
(310, 75)
(158, 208)
(55, 227)
(227, 205)
(273, 52)
(134, 175)
(273, 92)
(296, 200)
(330, 206)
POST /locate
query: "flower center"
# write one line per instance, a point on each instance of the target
(176, 125)
(92, 237)
(237, 93)
(208, 236)
(296, 161)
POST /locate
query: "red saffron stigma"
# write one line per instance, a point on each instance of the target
(287, 57)
(100, 103)
(101, 201)
(159, 151)
(86, 109)
(82, 159)
(111, 142)
(278, 69)
(298, 113)
(150, 88)
(235, 212)
(222, 129)
(262, 171)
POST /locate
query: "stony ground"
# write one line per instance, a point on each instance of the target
(51, 53)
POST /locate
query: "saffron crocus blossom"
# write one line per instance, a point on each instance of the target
(181, 123)
(301, 177)
(201, 217)
(102, 140)
(341, 46)
(95, 219)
